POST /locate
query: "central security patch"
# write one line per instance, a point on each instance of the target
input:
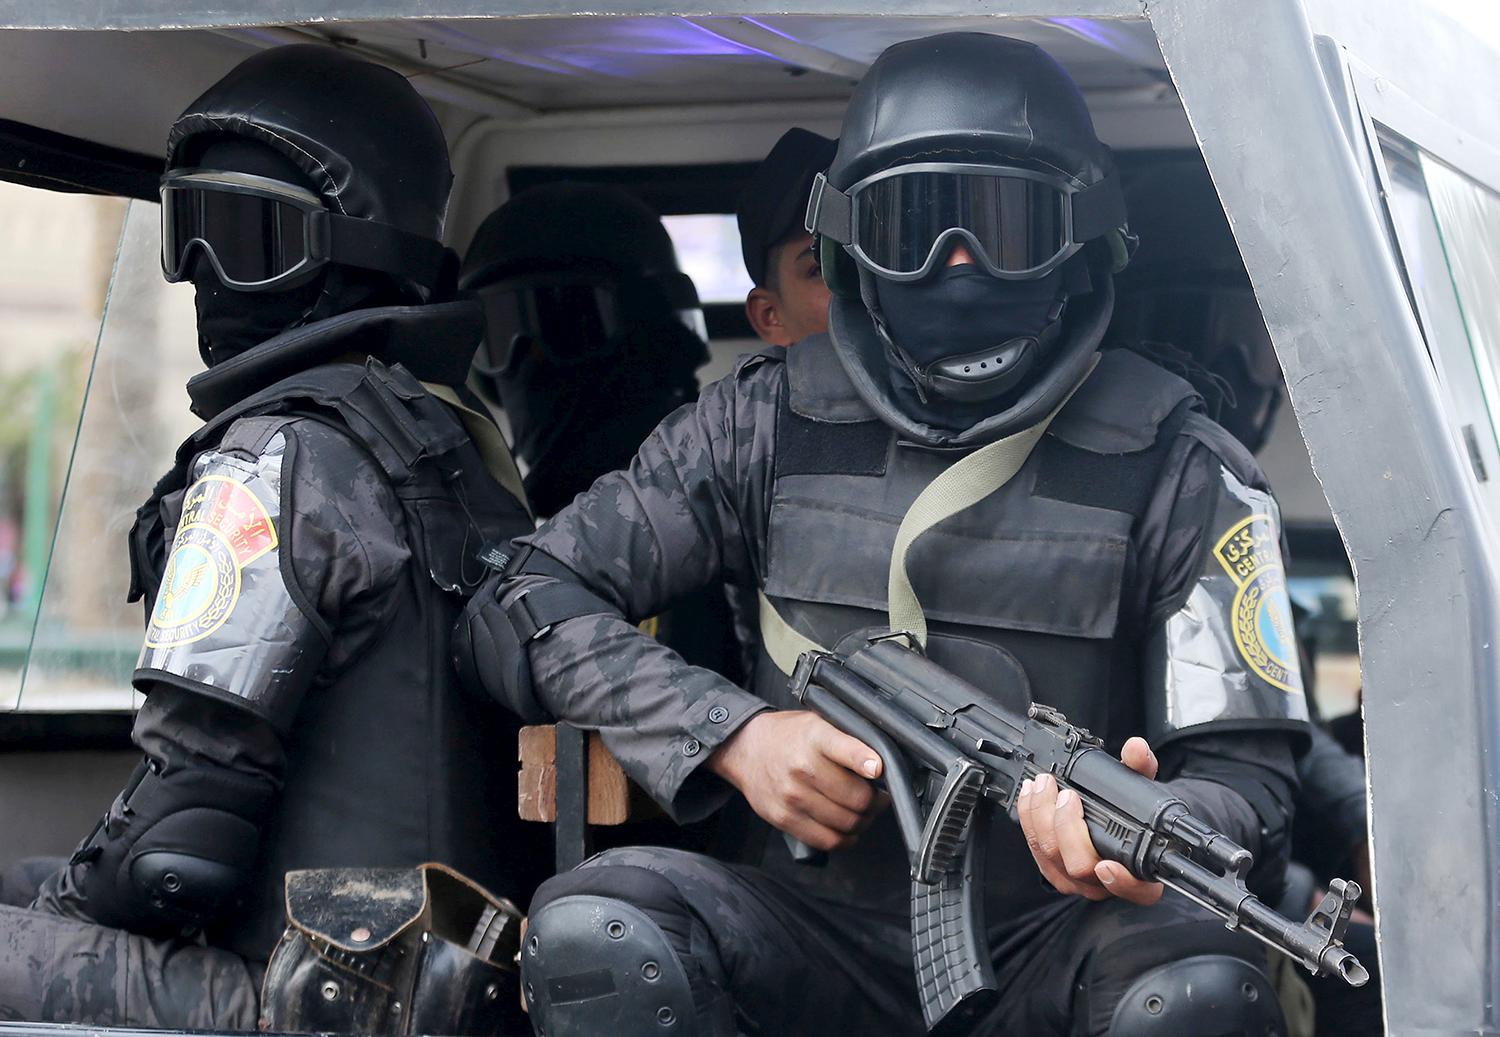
(1261, 613)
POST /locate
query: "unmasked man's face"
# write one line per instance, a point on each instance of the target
(794, 302)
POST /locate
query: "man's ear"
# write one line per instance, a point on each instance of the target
(764, 310)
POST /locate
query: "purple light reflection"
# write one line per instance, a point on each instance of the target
(622, 49)
(768, 28)
(736, 46)
(1112, 40)
(675, 38)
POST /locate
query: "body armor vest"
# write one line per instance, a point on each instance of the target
(1030, 594)
(390, 763)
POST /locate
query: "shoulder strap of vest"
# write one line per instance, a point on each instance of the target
(818, 387)
(492, 447)
(1116, 482)
(962, 485)
(408, 431)
(1120, 409)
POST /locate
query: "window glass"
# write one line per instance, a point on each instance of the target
(56, 251)
(123, 392)
(1327, 622)
(708, 250)
(1440, 219)
(1468, 221)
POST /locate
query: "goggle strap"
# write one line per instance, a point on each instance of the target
(829, 212)
(1098, 209)
(379, 246)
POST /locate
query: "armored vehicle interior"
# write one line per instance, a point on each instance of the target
(95, 347)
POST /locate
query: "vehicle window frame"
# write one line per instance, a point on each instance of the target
(1392, 123)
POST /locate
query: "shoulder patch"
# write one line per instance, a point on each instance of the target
(1261, 613)
(224, 527)
(224, 621)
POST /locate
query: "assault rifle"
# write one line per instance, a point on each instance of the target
(948, 748)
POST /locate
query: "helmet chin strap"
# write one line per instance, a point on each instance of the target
(982, 374)
(992, 372)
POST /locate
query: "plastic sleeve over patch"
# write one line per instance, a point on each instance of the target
(1229, 655)
(224, 620)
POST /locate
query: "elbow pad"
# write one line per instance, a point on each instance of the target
(493, 635)
(176, 849)
(491, 658)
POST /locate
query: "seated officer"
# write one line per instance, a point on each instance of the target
(790, 299)
(1241, 386)
(592, 335)
(303, 562)
(592, 332)
(971, 223)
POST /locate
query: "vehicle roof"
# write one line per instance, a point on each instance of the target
(543, 59)
(540, 71)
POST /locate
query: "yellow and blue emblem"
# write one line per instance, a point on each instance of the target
(224, 527)
(1261, 614)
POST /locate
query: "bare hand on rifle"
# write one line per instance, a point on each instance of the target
(1059, 839)
(804, 776)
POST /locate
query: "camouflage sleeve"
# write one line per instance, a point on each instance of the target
(690, 511)
(280, 569)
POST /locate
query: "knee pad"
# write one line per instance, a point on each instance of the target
(593, 965)
(1205, 994)
(176, 848)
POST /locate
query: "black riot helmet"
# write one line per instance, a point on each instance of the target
(562, 267)
(592, 332)
(358, 211)
(983, 142)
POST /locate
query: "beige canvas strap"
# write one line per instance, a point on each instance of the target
(963, 485)
(492, 447)
(783, 642)
(967, 482)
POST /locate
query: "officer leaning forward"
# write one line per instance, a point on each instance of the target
(970, 222)
(330, 500)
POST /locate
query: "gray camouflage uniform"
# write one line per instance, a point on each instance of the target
(774, 948)
(347, 544)
(318, 684)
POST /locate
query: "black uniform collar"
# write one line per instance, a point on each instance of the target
(434, 342)
(818, 387)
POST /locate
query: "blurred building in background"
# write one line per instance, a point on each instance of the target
(63, 577)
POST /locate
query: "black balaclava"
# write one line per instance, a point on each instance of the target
(579, 407)
(231, 322)
(572, 423)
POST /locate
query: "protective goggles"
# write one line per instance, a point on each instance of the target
(569, 317)
(261, 235)
(1020, 224)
